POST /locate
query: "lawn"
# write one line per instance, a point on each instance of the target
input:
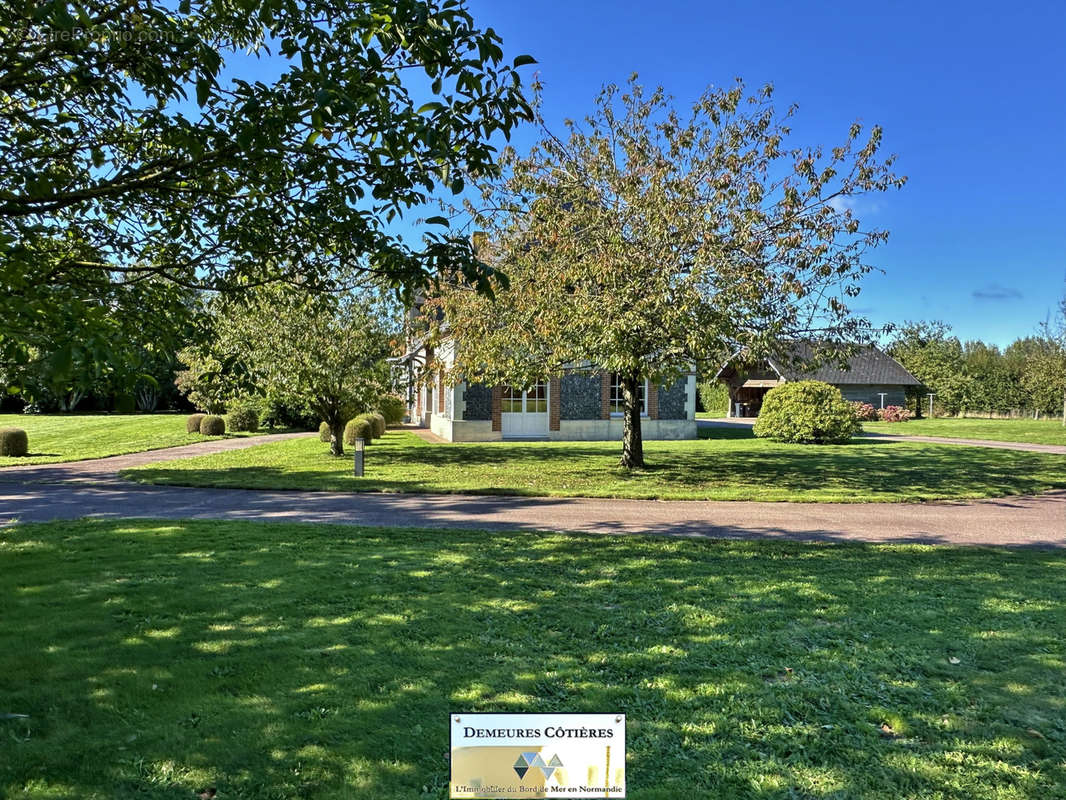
(155, 659)
(78, 436)
(1036, 431)
(731, 466)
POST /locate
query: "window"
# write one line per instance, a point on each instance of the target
(536, 399)
(616, 404)
(511, 402)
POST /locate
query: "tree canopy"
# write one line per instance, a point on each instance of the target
(648, 240)
(222, 145)
(327, 353)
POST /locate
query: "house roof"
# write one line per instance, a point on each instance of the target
(867, 365)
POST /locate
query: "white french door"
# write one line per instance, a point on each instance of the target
(524, 413)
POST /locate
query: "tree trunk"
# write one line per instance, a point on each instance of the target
(336, 438)
(632, 439)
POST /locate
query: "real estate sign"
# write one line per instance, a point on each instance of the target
(538, 755)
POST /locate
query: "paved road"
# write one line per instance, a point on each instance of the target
(92, 489)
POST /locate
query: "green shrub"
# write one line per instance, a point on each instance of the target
(192, 423)
(358, 428)
(125, 404)
(243, 415)
(394, 409)
(279, 413)
(377, 424)
(806, 412)
(714, 397)
(14, 442)
(324, 433)
(212, 425)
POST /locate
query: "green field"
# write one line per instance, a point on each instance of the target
(1035, 431)
(731, 466)
(74, 437)
(155, 659)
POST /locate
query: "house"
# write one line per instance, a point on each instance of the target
(582, 404)
(872, 377)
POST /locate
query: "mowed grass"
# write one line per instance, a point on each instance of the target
(155, 659)
(73, 437)
(1034, 431)
(731, 466)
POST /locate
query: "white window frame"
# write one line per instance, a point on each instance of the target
(614, 402)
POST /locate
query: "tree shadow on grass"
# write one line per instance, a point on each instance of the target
(317, 662)
(733, 469)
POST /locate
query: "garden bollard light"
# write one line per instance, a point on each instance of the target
(359, 455)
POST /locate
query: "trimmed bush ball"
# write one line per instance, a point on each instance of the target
(393, 409)
(192, 423)
(806, 412)
(358, 428)
(14, 442)
(243, 415)
(370, 421)
(377, 424)
(324, 433)
(212, 425)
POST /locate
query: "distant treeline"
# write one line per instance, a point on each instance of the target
(1028, 378)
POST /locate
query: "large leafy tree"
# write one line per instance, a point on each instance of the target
(325, 353)
(935, 357)
(220, 144)
(648, 240)
(1044, 371)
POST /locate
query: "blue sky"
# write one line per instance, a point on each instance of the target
(972, 97)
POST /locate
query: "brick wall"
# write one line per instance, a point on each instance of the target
(497, 405)
(605, 395)
(554, 400)
(652, 401)
(440, 393)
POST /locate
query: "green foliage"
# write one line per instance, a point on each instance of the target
(714, 397)
(806, 412)
(125, 404)
(369, 420)
(331, 358)
(213, 371)
(242, 414)
(14, 442)
(358, 428)
(377, 424)
(286, 414)
(212, 425)
(192, 422)
(324, 432)
(393, 409)
(640, 242)
(977, 377)
(109, 177)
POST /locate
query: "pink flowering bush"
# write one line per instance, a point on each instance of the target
(864, 412)
(894, 414)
